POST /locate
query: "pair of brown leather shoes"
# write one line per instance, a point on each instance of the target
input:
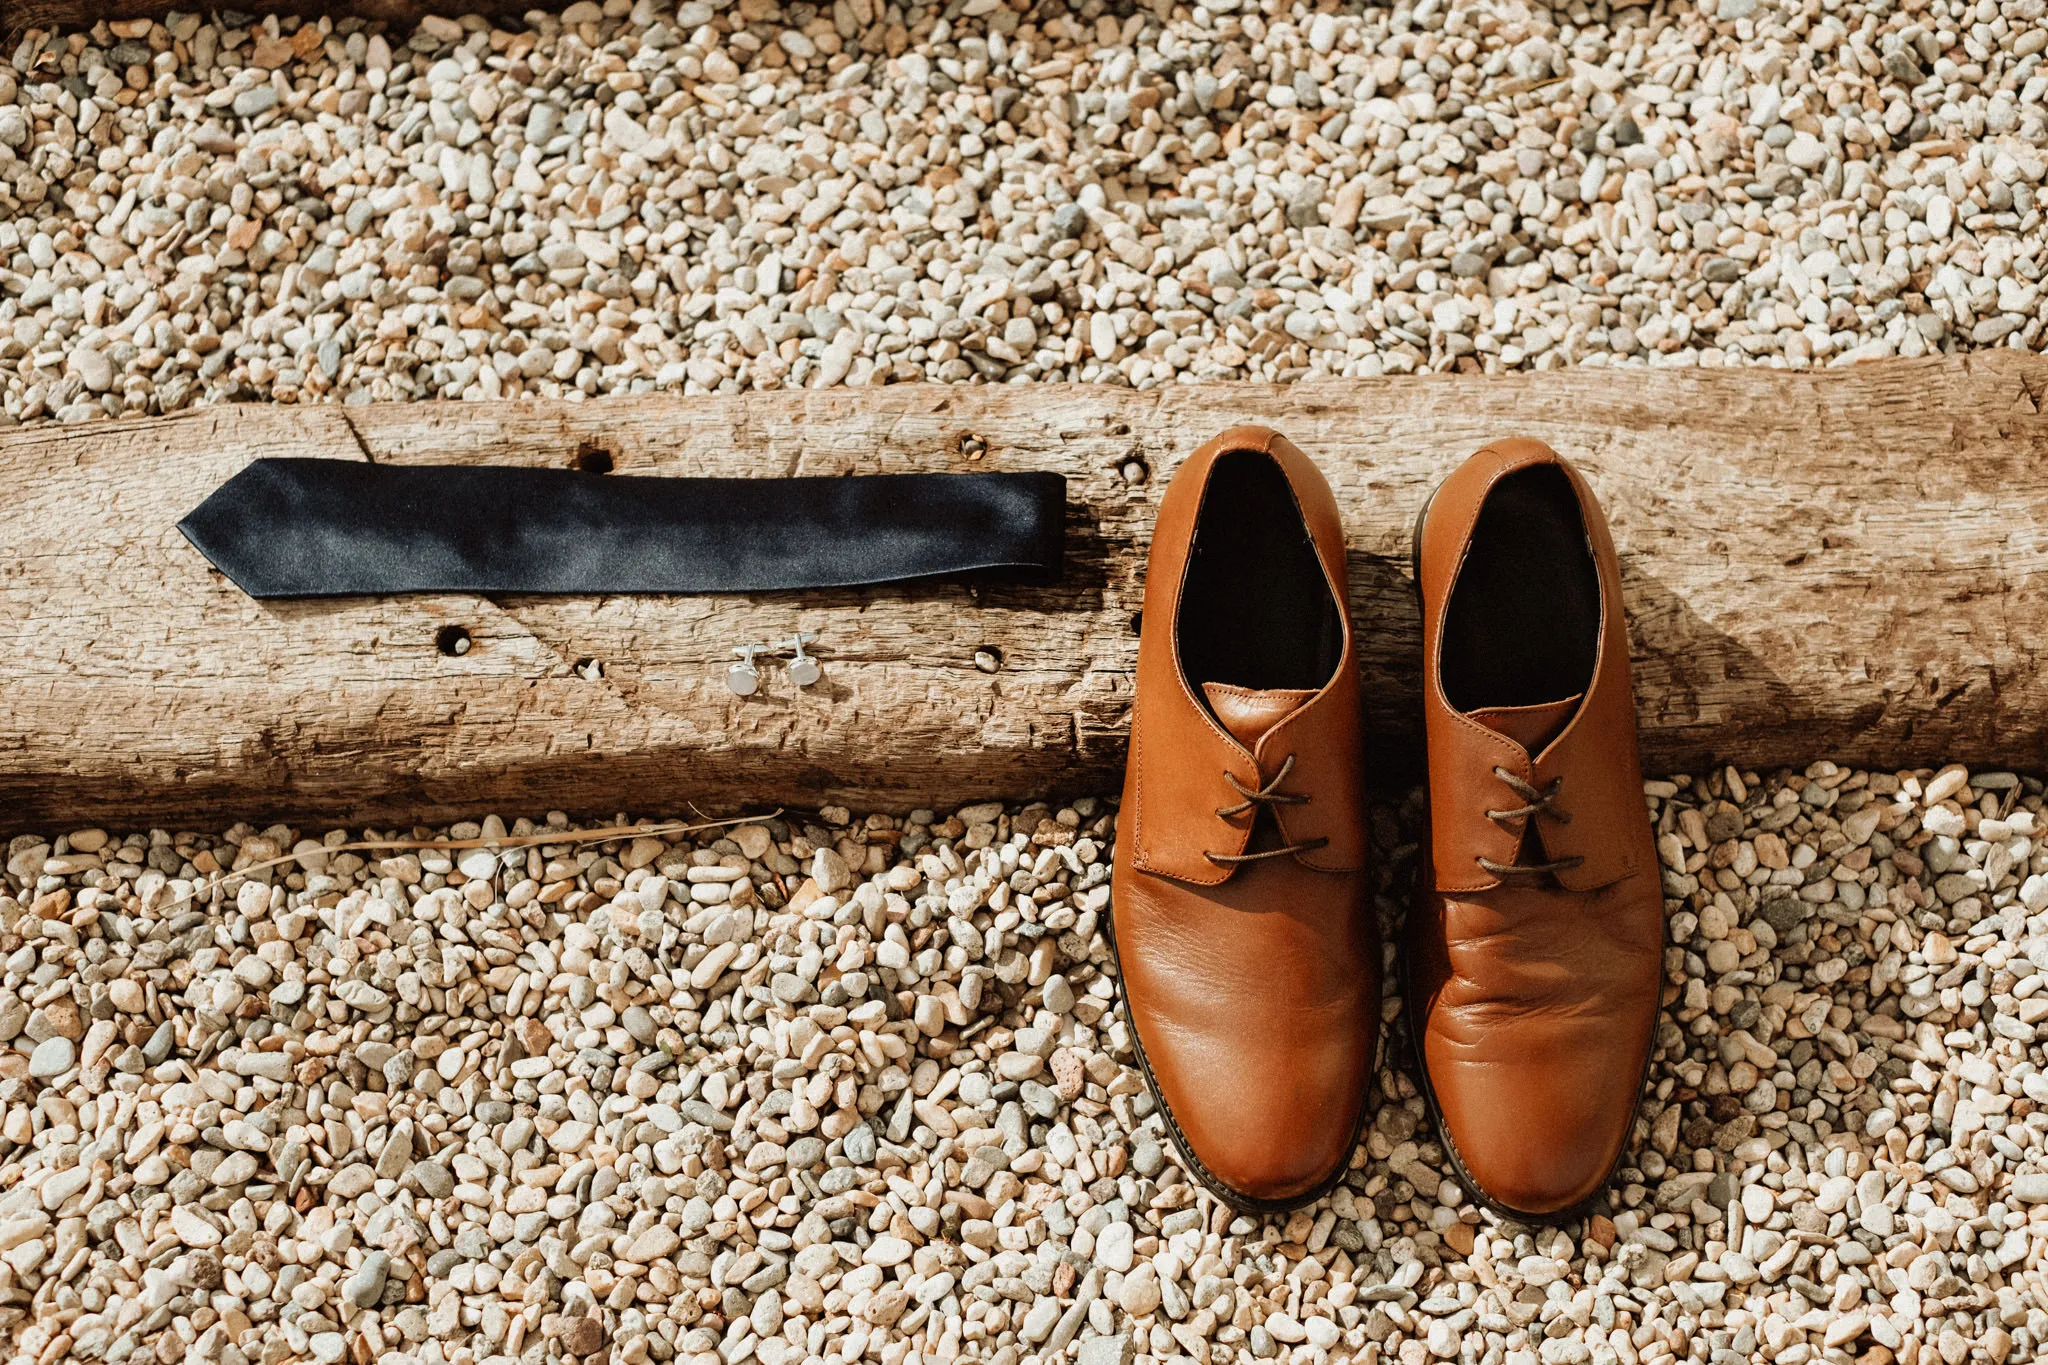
(1248, 946)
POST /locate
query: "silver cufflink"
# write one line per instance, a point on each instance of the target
(803, 669)
(743, 679)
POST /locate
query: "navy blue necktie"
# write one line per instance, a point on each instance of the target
(330, 528)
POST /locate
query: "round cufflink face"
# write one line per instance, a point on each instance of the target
(804, 672)
(742, 680)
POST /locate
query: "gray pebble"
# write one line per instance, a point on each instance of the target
(435, 1180)
(366, 1286)
(1113, 1349)
(256, 100)
(51, 1058)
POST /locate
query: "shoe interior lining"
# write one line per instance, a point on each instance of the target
(1256, 610)
(1523, 624)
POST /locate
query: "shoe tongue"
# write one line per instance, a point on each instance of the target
(1249, 714)
(1532, 727)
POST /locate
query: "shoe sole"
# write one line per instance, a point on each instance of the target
(1570, 1213)
(1207, 1179)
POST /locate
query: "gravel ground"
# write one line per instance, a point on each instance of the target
(732, 196)
(854, 1088)
(838, 1087)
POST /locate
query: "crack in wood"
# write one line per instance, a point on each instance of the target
(2028, 401)
(356, 433)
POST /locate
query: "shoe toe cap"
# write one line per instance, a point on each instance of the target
(1541, 1145)
(1272, 1130)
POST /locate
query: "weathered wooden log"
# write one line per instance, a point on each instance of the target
(1849, 564)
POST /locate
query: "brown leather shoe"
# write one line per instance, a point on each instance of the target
(1243, 924)
(1535, 947)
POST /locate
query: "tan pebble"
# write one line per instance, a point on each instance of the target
(1944, 784)
(63, 1019)
(1068, 1074)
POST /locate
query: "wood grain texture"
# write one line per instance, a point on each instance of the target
(1850, 564)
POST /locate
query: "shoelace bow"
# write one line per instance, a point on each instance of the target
(1267, 795)
(1535, 802)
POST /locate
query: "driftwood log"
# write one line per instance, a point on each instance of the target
(1849, 565)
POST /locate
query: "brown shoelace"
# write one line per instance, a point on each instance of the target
(1267, 795)
(1535, 802)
